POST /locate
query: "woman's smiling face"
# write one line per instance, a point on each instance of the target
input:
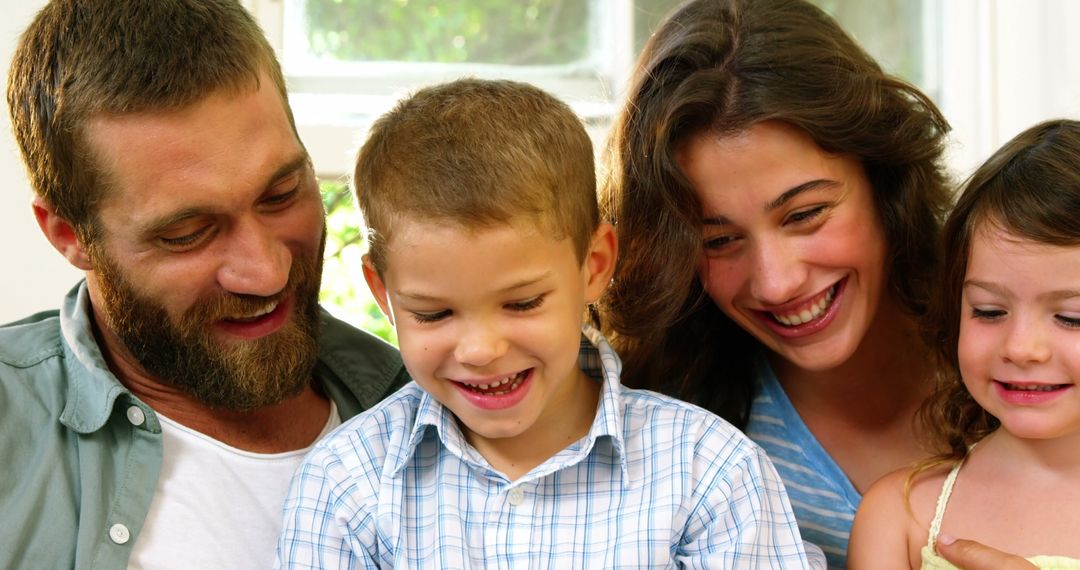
(793, 249)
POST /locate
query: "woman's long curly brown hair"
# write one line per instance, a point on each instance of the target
(721, 66)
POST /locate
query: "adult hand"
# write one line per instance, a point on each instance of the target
(972, 555)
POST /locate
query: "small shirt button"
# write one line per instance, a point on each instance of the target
(516, 496)
(119, 533)
(136, 416)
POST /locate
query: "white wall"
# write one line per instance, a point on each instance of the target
(33, 276)
(1004, 65)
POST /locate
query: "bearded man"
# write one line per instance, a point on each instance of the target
(155, 420)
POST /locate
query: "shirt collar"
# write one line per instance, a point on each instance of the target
(92, 388)
(596, 359)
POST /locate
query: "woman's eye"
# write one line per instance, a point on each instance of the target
(527, 305)
(715, 243)
(436, 316)
(806, 215)
(987, 314)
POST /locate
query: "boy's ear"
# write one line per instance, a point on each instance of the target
(61, 234)
(600, 261)
(378, 288)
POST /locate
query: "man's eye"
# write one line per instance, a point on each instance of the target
(283, 198)
(186, 240)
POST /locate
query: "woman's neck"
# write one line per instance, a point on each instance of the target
(889, 374)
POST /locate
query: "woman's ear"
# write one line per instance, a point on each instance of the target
(600, 261)
(61, 234)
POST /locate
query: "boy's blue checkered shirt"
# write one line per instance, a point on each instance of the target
(655, 483)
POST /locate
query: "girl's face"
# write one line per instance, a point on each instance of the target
(1019, 347)
(793, 249)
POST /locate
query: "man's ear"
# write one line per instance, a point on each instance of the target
(61, 234)
(600, 261)
(378, 288)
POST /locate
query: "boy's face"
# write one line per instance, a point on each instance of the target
(489, 322)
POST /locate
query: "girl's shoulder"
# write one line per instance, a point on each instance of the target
(904, 499)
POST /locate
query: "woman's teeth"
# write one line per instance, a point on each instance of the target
(809, 313)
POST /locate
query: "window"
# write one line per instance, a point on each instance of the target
(347, 61)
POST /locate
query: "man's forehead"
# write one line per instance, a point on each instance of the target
(225, 143)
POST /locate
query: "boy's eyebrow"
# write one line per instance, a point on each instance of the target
(520, 284)
(780, 200)
(163, 223)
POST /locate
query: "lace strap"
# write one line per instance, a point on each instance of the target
(943, 499)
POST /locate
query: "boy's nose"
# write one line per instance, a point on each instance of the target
(480, 345)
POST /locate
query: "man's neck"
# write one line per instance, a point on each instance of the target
(287, 426)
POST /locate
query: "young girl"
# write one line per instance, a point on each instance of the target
(1008, 324)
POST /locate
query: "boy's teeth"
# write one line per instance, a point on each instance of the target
(515, 378)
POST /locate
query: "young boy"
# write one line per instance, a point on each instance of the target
(516, 445)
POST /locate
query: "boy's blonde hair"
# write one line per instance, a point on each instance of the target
(477, 152)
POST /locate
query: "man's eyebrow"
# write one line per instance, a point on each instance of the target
(779, 200)
(163, 223)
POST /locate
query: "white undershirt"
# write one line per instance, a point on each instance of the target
(215, 506)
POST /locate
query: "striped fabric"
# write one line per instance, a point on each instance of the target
(656, 482)
(823, 498)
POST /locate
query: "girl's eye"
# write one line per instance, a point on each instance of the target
(185, 241)
(1072, 322)
(986, 314)
(424, 318)
(806, 215)
(528, 304)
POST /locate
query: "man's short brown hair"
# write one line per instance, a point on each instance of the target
(84, 58)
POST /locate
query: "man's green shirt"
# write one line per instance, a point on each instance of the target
(80, 455)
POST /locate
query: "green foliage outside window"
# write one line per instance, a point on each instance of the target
(511, 32)
(344, 291)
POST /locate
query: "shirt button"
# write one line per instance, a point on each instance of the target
(119, 533)
(516, 496)
(136, 416)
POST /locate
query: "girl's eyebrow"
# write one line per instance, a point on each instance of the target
(1058, 295)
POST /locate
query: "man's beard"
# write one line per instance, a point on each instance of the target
(240, 375)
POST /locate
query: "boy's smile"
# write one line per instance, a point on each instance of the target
(489, 323)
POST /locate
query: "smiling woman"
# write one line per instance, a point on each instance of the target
(778, 198)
